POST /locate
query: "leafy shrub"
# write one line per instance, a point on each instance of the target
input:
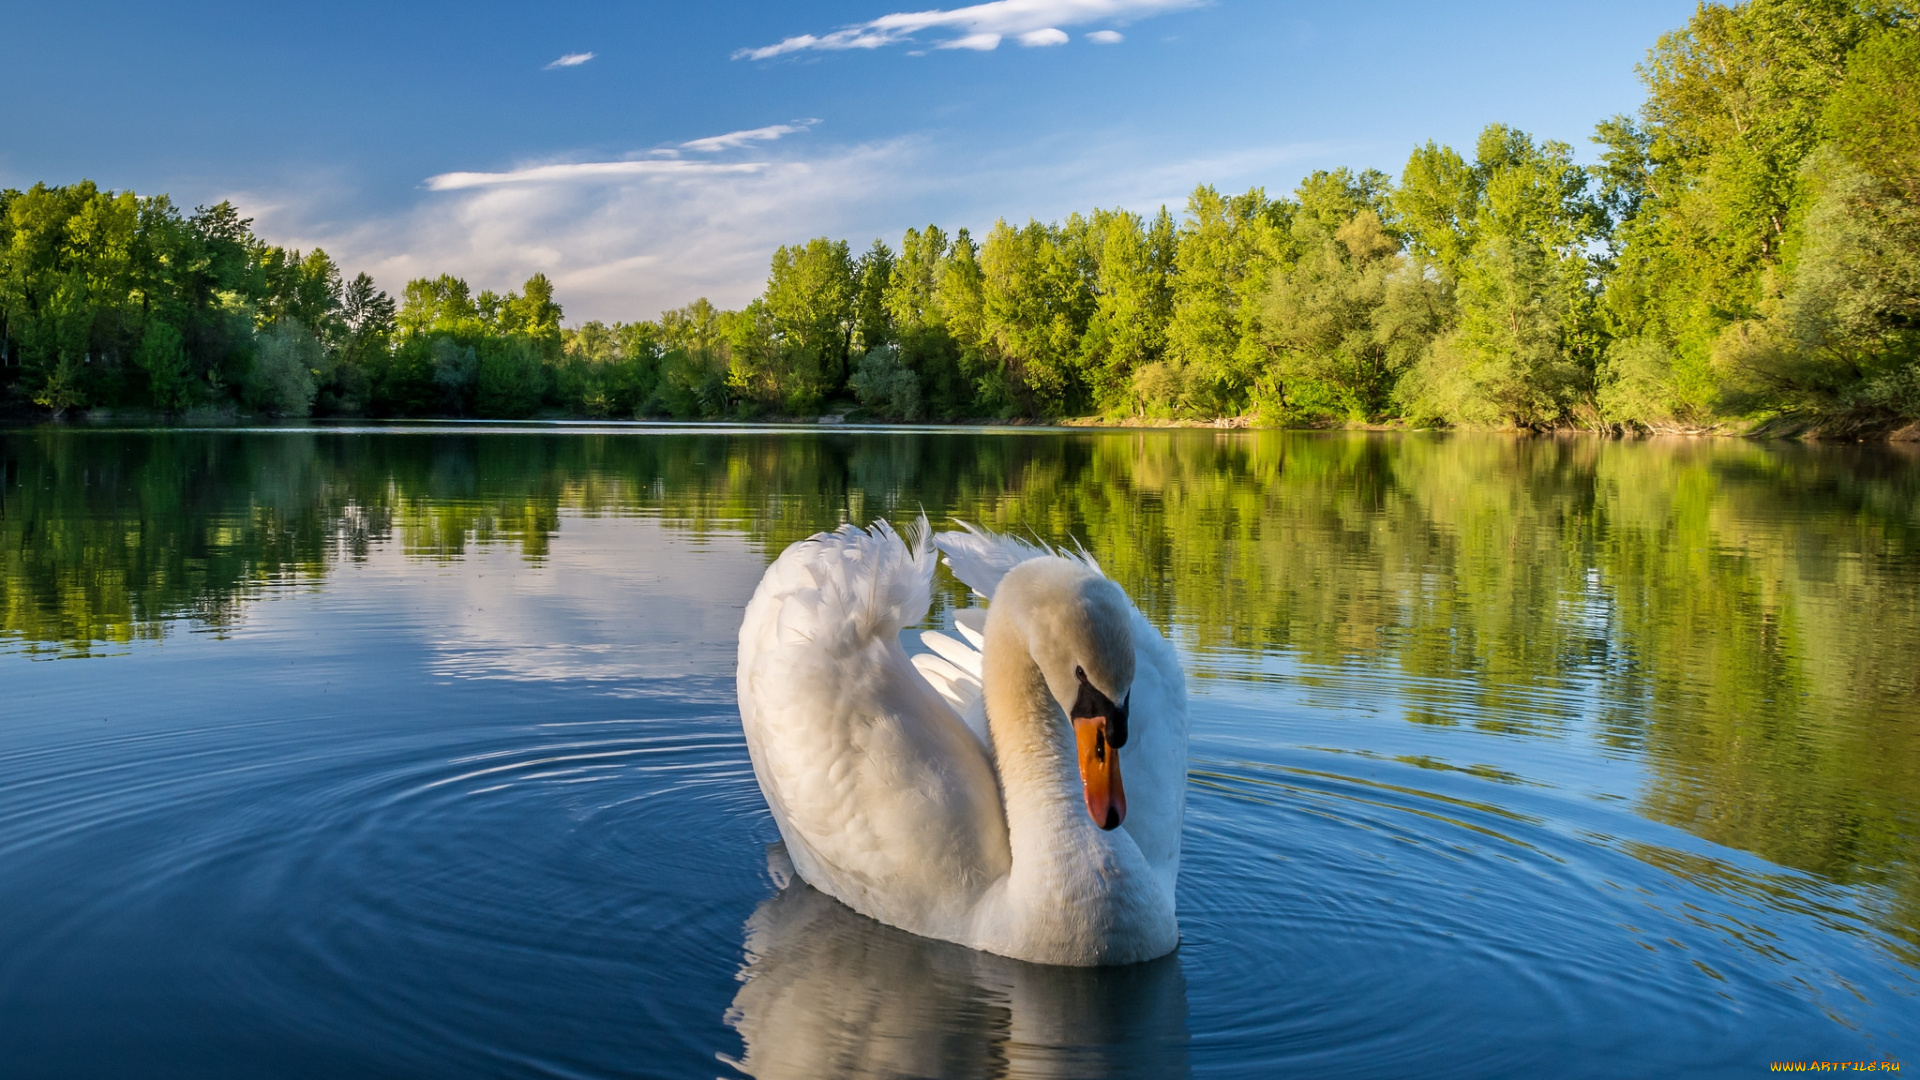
(885, 386)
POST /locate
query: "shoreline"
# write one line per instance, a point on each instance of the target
(1779, 429)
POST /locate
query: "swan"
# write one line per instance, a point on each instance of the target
(975, 795)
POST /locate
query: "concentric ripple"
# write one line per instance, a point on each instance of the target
(1400, 924)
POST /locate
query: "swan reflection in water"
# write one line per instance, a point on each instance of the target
(829, 992)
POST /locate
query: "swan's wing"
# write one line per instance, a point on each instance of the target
(1154, 762)
(954, 669)
(981, 558)
(883, 796)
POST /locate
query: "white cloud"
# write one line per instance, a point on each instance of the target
(980, 26)
(1106, 37)
(620, 239)
(1040, 38)
(630, 238)
(976, 42)
(572, 59)
(586, 171)
(733, 140)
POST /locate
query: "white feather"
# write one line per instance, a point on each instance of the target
(972, 624)
(980, 558)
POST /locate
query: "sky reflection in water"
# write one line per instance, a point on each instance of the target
(357, 750)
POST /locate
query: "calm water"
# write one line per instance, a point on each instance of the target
(351, 752)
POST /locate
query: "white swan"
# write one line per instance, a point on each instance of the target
(975, 796)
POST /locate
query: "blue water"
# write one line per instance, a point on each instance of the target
(445, 793)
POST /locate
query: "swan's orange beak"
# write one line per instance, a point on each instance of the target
(1100, 730)
(1100, 772)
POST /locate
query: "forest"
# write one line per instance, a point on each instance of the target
(1744, 256)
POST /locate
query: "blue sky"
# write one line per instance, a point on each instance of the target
(440, 137)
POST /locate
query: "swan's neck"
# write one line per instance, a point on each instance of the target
(1074, 894)
(1048, 828)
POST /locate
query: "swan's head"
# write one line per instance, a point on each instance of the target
(1080, 634)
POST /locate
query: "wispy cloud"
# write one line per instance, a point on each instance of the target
(621, 239)
(626, 239)
(1106, 37)
(979, 26)
(572, 59)
(569, 172)
(733, 140)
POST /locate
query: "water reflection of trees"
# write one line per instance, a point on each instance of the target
(1745, 615)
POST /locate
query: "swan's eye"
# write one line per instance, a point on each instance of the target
(1091, 704)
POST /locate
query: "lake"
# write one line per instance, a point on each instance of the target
(414, 751)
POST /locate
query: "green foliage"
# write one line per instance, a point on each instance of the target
(1644, 382)
(693, 385)
(811, 290)
(873, 275)
(1133, 266)
(511, 380)
(162, 355)
(1349, 316)
(281, 381)
(1227, 247)
(693, 379)
(1437, 205)
(1874, 116)
(1737, 205)
(1845, 336)
(456, 372)
(1037, 299)
(608, 371)
(886, 387)
(1505, 363)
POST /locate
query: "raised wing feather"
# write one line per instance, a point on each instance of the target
(954, 669)
(884, 797)
(981, 558)
(1155, 759)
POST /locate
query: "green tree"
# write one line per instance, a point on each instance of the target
(1736, 106)
(162, 355)
(932, 298)
(443, 305)
(1133, 272)
(534, 314)
(1037, 298)
(1527, 337)
(886, 387)
(511, 377)
(281, 381)
(810, 299)
(1348, 317)
(1437, 205)
(1228, 245)
(873, 277)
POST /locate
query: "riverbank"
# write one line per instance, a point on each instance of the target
(1787, 428)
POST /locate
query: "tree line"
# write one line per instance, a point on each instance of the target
(1747, 250)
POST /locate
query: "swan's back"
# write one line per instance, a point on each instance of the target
(884, 798)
